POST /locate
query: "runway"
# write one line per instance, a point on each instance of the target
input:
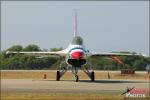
(69, 86)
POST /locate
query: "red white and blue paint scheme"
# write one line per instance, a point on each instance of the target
(76, 56)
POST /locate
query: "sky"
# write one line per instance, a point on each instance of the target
(105, 26)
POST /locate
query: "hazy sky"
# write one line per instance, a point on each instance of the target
(104, 25)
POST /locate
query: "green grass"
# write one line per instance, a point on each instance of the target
(60, 96)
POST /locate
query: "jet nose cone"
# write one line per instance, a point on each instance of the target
(77, 55)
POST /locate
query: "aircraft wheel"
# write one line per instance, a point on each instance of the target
(77, 78)
(92, 76)
(58, 76)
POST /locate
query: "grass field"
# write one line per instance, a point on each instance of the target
(60, 96)
(51, 74)
(64, 96)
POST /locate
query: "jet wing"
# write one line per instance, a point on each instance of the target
(40, 54)
(116, 54)
(113, 55)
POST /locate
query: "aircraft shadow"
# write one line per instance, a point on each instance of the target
(113, 81)
(100, 81)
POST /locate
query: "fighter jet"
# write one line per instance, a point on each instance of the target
(76, 56)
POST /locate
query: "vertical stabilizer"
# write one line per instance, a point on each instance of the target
(75, 23)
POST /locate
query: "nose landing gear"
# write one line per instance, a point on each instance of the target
(77, 78)
(75, 71)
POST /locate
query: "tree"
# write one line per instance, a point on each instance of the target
(56, 49)
(20, 61)
(15, 48)
(32, 47)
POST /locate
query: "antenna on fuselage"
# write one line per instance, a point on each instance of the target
(75, 23)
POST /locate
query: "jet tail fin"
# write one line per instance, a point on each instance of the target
(75, 23)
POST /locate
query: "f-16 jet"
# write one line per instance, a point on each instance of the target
(76, 56)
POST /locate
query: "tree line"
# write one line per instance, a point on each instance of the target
(25, 62)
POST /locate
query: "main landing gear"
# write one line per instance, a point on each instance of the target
(63, 69)
(90, 73)
(92, 76)
(58, 76)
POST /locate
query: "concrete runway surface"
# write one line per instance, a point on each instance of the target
(69, 86)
